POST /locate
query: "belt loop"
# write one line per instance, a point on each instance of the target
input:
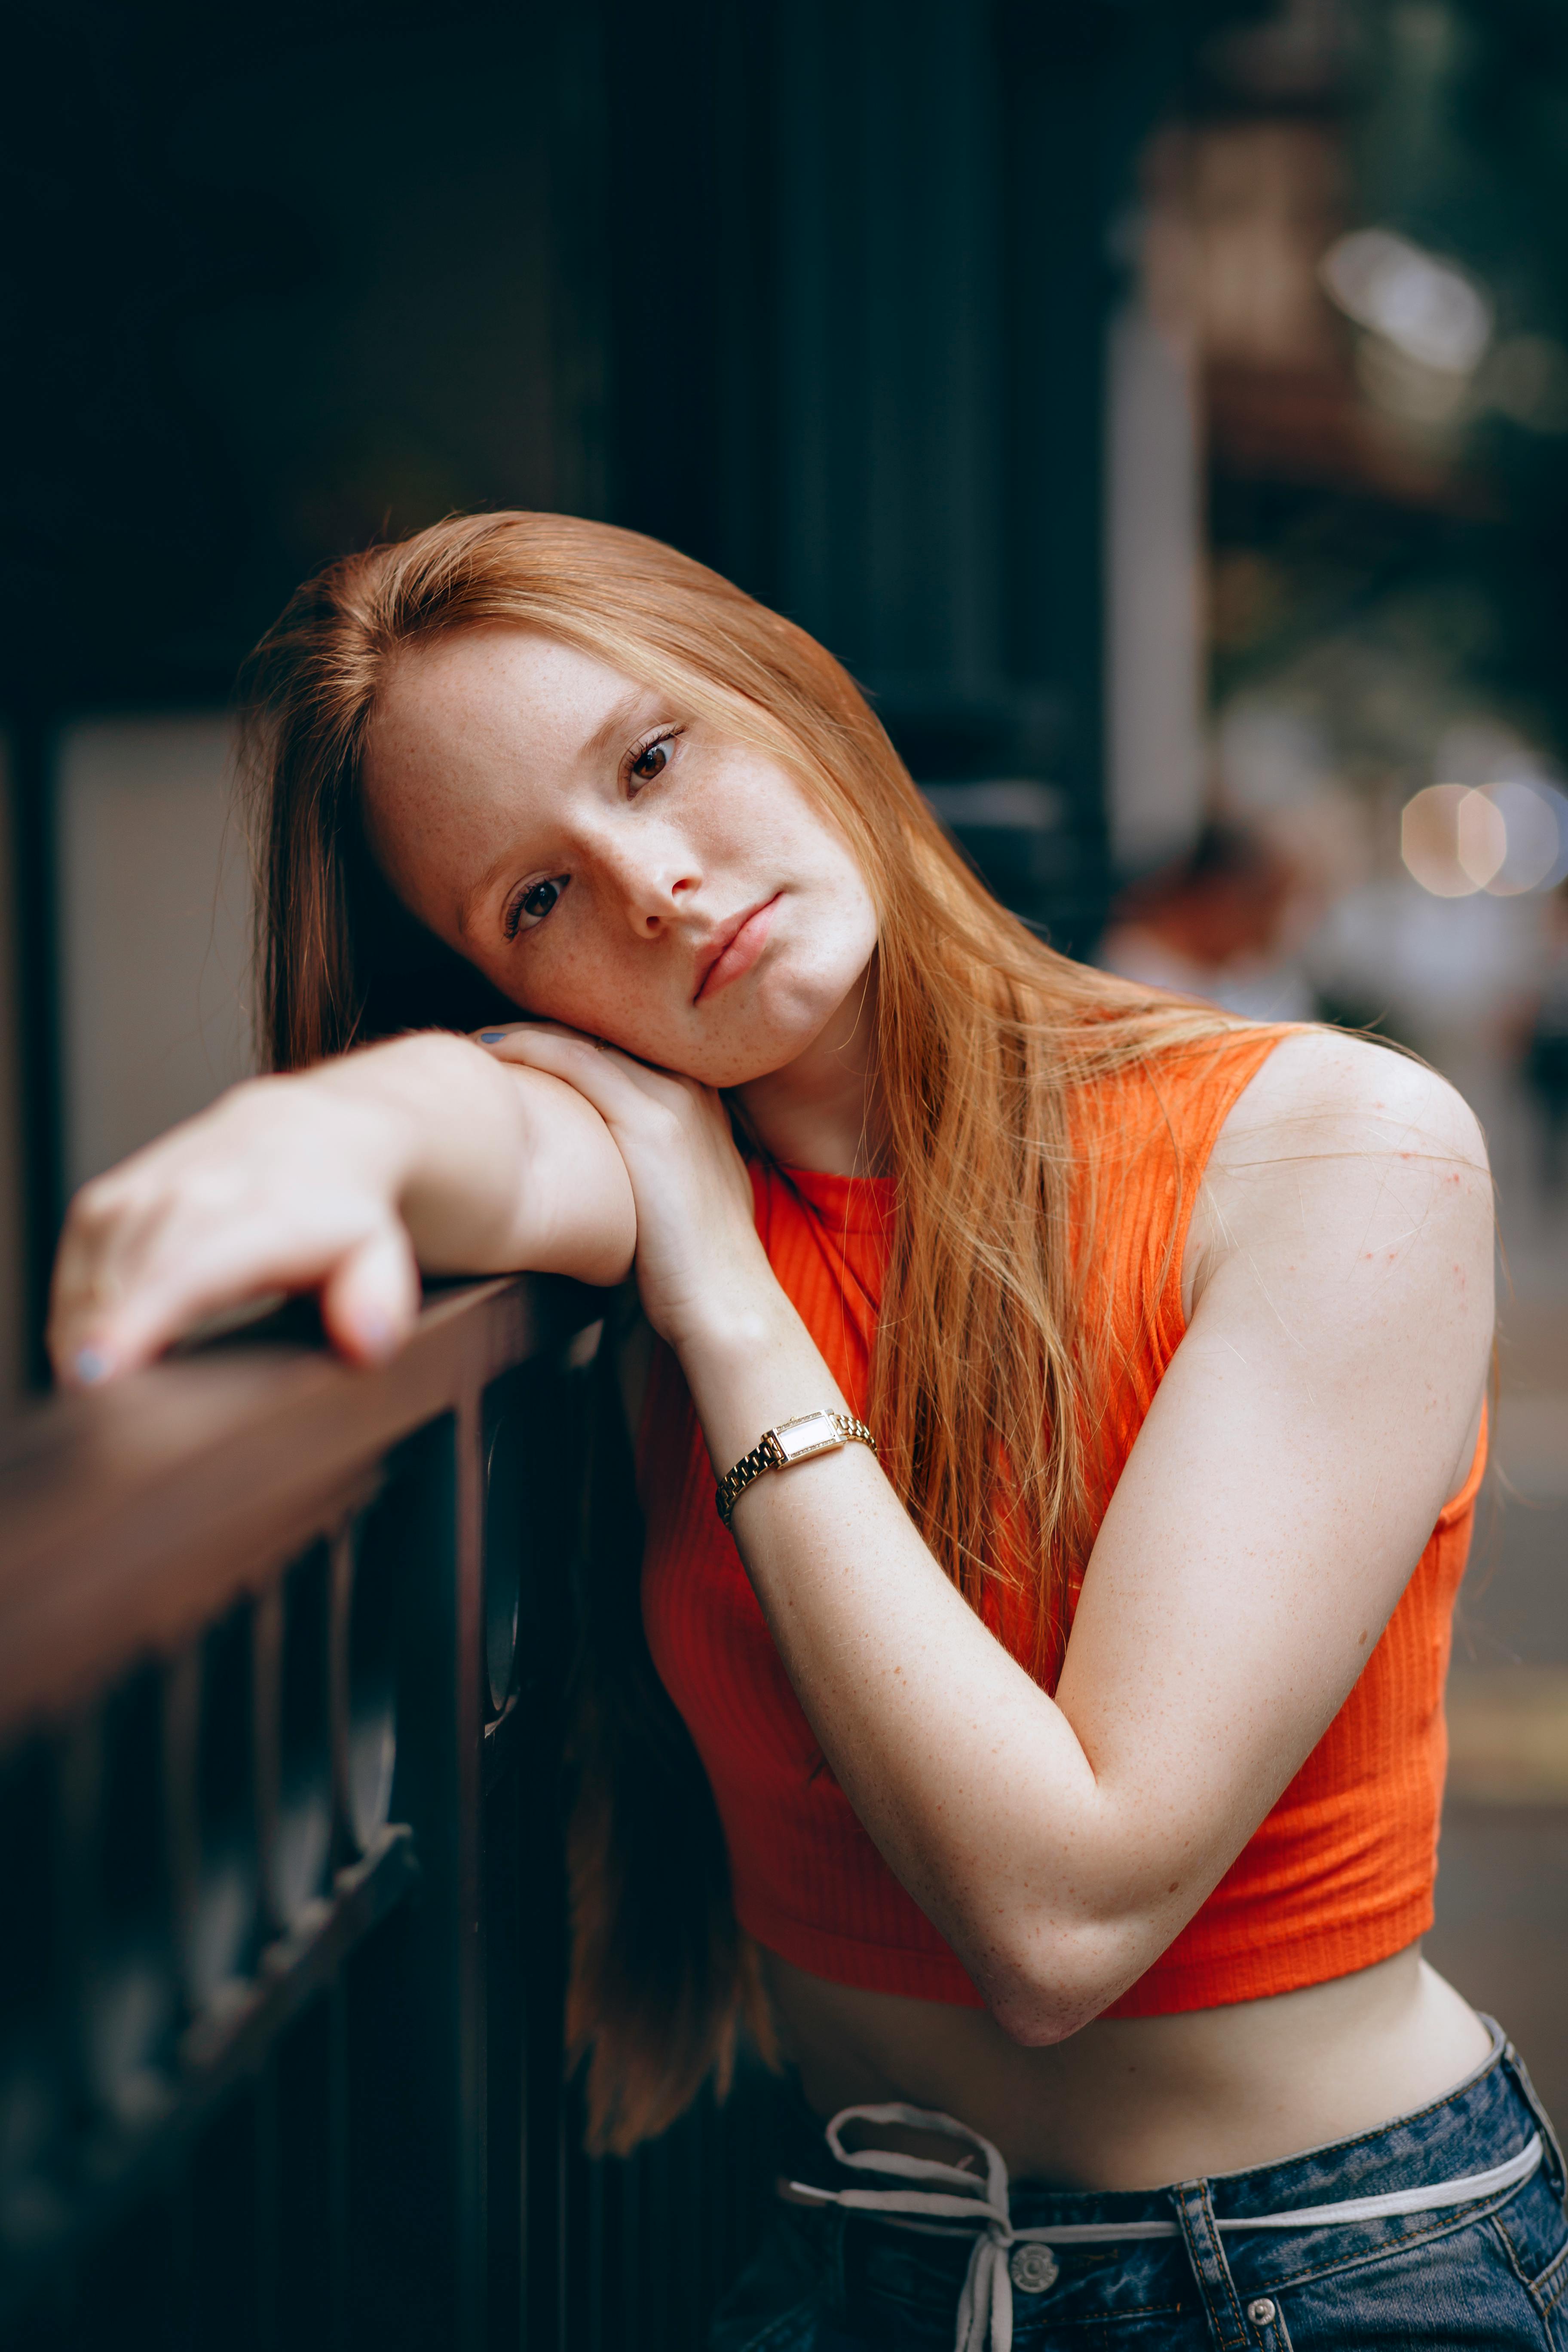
(1195, 2211)
(1519, 2075)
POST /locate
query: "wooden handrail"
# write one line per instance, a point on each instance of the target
(131, 1515)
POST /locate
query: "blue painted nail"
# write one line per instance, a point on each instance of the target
(90, 1365)
(492, 1036)
(376, 1336)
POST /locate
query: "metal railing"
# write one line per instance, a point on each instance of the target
(282, 1655)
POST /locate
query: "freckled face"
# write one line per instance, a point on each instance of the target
(608, 860)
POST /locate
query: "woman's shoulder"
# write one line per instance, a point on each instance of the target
(1323, 1091)
(1257, 1088)
(1338, 1161)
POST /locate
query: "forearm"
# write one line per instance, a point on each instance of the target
(969, 1778)
(492, 1167)
(340, 1180)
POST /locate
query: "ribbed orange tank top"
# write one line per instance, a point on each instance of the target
(1341, 1872)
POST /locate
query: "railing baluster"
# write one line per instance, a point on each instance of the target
(270, 2333)
(305, 2181)
(224, 2186)
(129, 1971)
(294, 1739)
(214, 1805)
(32, 2088)
(283, 1655)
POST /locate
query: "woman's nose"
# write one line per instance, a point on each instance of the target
(651, 883)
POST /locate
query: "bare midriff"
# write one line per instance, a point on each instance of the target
(1135, 2103)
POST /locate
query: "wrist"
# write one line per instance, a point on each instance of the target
(379, 1106)
(751, 1364)
(727, 1336)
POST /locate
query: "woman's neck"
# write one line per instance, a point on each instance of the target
(821, 1110)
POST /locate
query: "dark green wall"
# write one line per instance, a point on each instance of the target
(814, 289)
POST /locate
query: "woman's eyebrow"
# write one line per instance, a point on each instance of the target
(615, 721)
(482, 889)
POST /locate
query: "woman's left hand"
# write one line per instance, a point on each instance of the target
(698, 1260)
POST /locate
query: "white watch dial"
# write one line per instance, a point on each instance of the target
(814, 1433)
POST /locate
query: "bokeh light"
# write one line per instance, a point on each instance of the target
(1452, 839)
(1505, 838)
(1533, 815)
(1427, 308)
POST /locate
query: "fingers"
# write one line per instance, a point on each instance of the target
(599, 1074)
(101, 1320)
(115, 1325)
(506, 1032)
(549, 1045)
(371, 1298)
(621, 1088)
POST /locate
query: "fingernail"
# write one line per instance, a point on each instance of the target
(91, 1365)
(377, 1334)
(492, 1036)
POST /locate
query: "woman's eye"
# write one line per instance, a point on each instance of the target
(653, 759)
(533, 905)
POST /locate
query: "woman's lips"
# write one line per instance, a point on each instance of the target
(739, 950)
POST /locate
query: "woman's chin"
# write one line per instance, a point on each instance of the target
(731, 1062)
(728, 1071)
(759, 1058)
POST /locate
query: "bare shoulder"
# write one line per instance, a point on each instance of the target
(1342, 1160)
(1324, 1089)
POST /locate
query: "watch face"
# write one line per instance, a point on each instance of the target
(814, 1433)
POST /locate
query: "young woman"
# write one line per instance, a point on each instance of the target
(1066, 1680)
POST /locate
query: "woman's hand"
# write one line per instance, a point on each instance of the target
(343, 1180)
(700, 1264)
(284, 1184)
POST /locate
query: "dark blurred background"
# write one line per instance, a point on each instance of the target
(1162, 409)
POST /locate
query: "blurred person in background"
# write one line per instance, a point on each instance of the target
(1222, 922)
(1058, 1414)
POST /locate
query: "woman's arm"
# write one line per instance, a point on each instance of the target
(344, 1178)
(1322, 1408)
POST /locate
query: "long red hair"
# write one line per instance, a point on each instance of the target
(984, 1355)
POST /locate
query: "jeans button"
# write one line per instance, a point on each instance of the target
(1033, 2268)
(1261, 2313)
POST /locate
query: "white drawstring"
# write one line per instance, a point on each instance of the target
(985, 2306)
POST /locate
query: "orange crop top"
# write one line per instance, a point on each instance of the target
(1341, 1872)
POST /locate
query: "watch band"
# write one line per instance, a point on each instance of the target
(791, 1441)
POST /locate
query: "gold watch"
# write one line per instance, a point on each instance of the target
(792, 1440)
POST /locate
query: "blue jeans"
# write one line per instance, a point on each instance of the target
(1491, 2272)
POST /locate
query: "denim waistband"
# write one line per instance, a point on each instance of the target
(1488, 2121)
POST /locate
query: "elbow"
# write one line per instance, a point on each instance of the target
(1035, 2023)
(1062, 1982)
(1037, 2015)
